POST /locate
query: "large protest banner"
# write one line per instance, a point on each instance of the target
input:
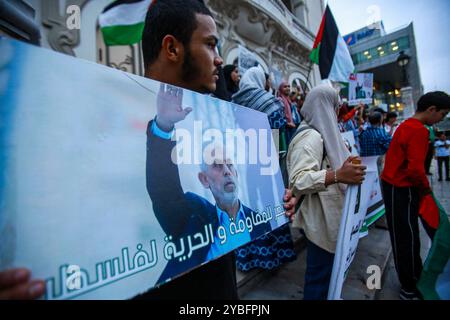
(99, 201)
(360, 88)
(357, 199)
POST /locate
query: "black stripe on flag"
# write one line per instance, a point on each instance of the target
(328, 44)
(118, 3)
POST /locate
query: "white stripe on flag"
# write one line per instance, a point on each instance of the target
(124, 14)
(342, 63)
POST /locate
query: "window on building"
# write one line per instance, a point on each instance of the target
(403, 43)
(397, 45)
(288, 4)
(382, 50)
(300, 11)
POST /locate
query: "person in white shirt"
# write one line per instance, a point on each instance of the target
(390, 123)
(442, 155)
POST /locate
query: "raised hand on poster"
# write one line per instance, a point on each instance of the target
(169, 109)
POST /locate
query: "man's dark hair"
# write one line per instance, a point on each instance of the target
(391, 115)
(439, 99)
(375, 118)
(174, 17)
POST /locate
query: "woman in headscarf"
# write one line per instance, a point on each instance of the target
(252, 94)
(320, 168)
(232, 78)
(284, 91)
(276, 247)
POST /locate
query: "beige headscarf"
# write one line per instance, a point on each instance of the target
(319, 112)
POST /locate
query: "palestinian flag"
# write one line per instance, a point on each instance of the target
(434, 282)
(122, 22)
(330, 51)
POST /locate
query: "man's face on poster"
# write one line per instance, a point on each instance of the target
(220, 176)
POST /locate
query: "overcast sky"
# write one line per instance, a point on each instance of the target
(431, 19)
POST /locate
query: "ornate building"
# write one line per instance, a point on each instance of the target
(279, 33)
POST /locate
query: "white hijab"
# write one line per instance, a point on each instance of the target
(253, 78)
(319, 112)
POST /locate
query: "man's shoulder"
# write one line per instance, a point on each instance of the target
(247, 210)
(194, 198)
(201, 212)
(409, 128)
(414, 124)
(383, 133)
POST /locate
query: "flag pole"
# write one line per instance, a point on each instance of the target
(311, 64)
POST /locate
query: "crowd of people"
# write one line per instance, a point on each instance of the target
(319, 165)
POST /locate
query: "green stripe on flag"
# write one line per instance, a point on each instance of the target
(374, 217)
(437, 258)
(364, 231)
(314, 56)
(123, 35)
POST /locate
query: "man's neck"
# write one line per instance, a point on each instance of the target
(230, 207)
(167, 76)
(421, 117)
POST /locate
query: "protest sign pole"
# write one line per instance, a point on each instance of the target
(307, 76)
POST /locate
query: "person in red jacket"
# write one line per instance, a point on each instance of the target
(404, 183)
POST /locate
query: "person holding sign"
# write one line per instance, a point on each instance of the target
(183, 53)
(179, 47)
(320, 166)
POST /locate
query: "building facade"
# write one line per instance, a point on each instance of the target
(396, 88)
(280, 33)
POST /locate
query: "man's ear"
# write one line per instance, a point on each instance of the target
(172, 48)
(431, 109)
(203, 180)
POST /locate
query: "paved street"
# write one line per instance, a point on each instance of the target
(286, 283)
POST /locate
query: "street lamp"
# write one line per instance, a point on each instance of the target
(402, 61)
